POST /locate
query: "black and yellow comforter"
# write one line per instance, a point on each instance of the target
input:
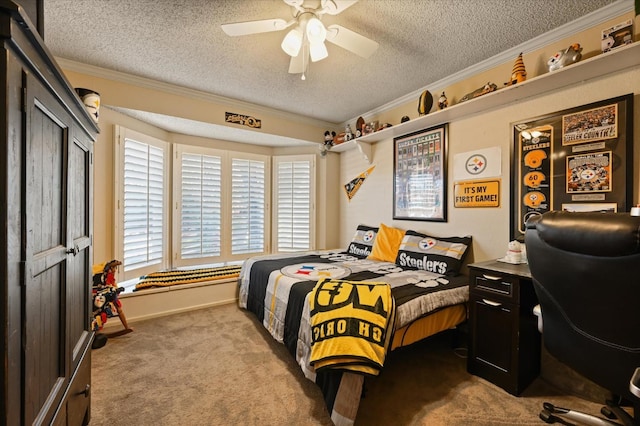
(278, 289)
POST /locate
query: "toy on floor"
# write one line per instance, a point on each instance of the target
(106, 303)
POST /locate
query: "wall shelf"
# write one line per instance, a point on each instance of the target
(600, 65)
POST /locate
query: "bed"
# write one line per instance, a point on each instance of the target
(428, 296)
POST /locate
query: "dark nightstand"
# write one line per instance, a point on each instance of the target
(504, 342)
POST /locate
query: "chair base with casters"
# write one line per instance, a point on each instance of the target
(552, 414)
(612, 411)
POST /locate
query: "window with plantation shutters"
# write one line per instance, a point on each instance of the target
(201, 206)
(187, 206)
(248, 206)
(294, 203)
(142, 203)
(221, 211)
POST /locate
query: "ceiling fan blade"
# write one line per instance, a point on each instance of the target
(255, 27)
(298, 64)
(333, 7)
(350, 40)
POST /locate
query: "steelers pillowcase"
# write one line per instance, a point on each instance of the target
(362, 241)
(438, 255)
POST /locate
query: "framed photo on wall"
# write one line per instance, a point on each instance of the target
(579, 159)
(420, 175)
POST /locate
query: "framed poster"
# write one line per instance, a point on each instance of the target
(579, 159)
(419, 175)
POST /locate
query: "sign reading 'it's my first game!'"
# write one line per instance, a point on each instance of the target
(485, 193)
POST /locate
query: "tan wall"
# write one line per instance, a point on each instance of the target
(488, 226)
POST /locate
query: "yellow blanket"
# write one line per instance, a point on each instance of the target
(351, 324)
(187, 276)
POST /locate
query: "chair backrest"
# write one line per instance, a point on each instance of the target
(586, 274)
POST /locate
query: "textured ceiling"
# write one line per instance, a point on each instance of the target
(181, 42)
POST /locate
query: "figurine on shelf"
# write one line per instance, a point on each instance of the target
(514, 252)
(443, 102)
(487, 88)
(518, 73)
(404, 119)
(562, 58)
(328, 138)
(348, 134)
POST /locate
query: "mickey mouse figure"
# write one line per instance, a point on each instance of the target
(328, 138)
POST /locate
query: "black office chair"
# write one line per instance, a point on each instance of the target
(586, 274)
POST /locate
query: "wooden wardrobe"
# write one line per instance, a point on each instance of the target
(46, 181)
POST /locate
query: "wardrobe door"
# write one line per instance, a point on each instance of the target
(46, 253)
(79, 225)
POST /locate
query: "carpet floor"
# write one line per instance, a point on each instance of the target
(218, 366)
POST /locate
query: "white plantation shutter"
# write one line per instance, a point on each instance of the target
(248, 206)
(144, 186)
(198, 206)
(201, 207)
(294, 203)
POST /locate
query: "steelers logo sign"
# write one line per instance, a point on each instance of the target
(534, 158)
(476, 164)
(426, 243)
(315, 271)
(369, 236)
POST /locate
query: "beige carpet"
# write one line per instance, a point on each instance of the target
(218, 366)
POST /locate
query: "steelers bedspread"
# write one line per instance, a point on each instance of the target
(276, 288)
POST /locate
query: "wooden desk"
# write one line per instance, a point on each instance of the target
(504, 342)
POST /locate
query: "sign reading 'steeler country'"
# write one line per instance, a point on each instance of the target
(484, 193)
(245, 120)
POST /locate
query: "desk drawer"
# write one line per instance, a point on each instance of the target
(493, 284)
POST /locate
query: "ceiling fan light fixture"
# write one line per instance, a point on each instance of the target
(316, 32)
(317, 51)
(292, 42)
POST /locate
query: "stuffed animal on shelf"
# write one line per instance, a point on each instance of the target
(328, 138)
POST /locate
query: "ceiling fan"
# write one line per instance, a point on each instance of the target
(306, 39)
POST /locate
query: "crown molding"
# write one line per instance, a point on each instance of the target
(586, 22)
(94, 71)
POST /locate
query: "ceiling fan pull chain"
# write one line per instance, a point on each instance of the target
(305, 62)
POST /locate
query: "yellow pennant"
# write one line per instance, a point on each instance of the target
(354, 184)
